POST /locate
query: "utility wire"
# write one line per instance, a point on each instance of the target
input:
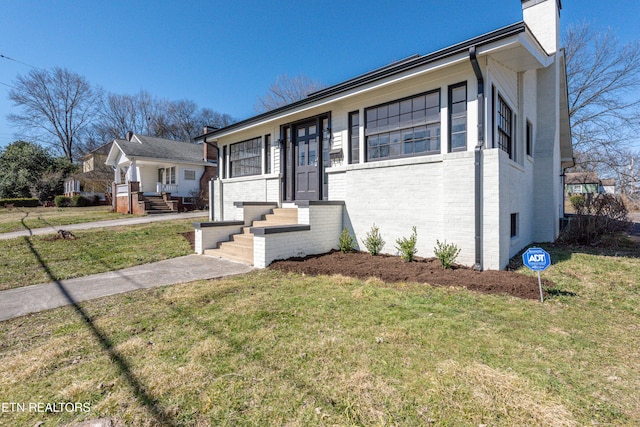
(15, 60)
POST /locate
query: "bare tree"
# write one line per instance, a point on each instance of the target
(57, 106)
(286, 90)
(144, 114)
(603, 79)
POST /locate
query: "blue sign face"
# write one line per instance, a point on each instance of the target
(537, 259)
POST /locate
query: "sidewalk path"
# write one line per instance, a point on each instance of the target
(100, 224)
(29, 299)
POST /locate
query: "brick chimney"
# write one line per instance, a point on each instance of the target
(543, 19)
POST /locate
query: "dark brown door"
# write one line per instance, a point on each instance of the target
(306, 160)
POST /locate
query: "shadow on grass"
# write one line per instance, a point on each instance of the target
(153, 406)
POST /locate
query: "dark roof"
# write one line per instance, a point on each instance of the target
(608, 182)
(581, 178)
(409, 63)
(160, 148)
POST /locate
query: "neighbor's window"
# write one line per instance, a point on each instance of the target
(404, 128)
(354, 137)
(505, 128)
(245, 158)
(458, 117)
(167, 175)
(514, 224)
(189, 175)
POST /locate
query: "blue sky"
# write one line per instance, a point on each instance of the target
(225, 54)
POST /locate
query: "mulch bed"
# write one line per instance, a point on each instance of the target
(392, 269)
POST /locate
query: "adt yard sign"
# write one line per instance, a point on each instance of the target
(537, 259)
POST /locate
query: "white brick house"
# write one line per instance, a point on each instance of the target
(467, 143)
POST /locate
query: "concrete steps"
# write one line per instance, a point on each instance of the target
(240, 246)
(155, 205)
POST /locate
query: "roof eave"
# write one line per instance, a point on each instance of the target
(370, 77)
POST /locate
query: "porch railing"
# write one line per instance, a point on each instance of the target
(166, 188)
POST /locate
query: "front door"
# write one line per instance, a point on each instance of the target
(306, 161)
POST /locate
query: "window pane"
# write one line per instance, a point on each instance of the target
(405, 120)
(394, 109)
(419, 103)
(301, 132)
(459, 94)
(394, 122)
(312, 130)
(459, 108)
(459, 124)
(458, 140)
(419, 117)
(405, 106)
(433, 100)
(433, 114)
(383, 112)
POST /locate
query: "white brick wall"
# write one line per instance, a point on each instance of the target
(435, 193)
(325, 223)
(247, 190)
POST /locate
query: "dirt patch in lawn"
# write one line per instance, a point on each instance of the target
(190, 237)
(392, 269)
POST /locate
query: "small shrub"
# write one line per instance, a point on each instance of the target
(446, 253)
(599, 216)
(62, 201)
(373, 241)
(346, 242)
(79, 201)
(20, 202)
(577, 201)
(407, 247)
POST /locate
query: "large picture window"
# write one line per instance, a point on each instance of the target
(245, 158)
(458, 117)
(505, 127)
(404, 128)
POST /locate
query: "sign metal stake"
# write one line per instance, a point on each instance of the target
(540, 286)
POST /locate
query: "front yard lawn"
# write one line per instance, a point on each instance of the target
(274, 348)
(30, 260)
(16, 219)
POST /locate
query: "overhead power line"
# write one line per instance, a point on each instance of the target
(15, 60)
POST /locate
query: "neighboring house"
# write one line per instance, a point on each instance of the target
(96, 177)
(468, 144)
(153, 175)
(608, 186)
(581, 183)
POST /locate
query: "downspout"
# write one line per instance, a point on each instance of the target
(478, 159)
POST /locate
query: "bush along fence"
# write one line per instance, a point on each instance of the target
(20, 203)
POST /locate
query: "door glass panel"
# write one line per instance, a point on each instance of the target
(312, 150)
(301, 154)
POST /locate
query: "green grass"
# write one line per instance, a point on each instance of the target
(17, 219)
(93, 251)
(268, 348)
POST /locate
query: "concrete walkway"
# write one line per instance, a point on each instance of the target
(29, 299)
(107, 223)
